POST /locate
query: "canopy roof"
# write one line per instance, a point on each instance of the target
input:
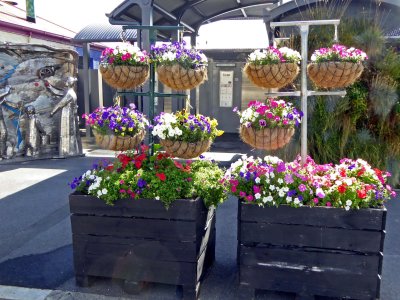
(190, 13)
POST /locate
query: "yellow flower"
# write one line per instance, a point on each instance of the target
(123, 128)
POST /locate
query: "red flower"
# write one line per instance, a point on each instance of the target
(361, 194)
(362, 171)
(138, 164)
(343, 172)
(124, 159)
(161, 176)
(341, 188)
(110, 168)
(180, 166)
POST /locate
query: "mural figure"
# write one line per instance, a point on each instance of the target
(69, 137)
(15, 107)
(3, 129)
(33, 132)
(37, 74)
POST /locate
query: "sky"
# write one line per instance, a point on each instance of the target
(76, 14)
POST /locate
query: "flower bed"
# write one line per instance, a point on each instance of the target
(117, 128)
(125, 67)
(180, 67)
(268, 125)
(272, 67)
(184, 135)
(303, 235)
(336, 67)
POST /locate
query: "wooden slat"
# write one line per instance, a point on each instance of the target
(182, 209)
(142, 248)
(373, 219)
(308, 236)
(311, 282)
(132, 227)
(136, 269)
(308, 260)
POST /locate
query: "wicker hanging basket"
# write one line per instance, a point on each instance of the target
(119, 143)
(178, 78)
(185, 150)
(271, 76)
(266, 139)
(124, 77)
(334, 74)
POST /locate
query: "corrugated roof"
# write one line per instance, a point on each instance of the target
(103, 33)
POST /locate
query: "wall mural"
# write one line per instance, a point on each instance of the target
(38, 103)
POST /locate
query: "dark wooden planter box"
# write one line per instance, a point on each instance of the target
(311, 252)
(140, 241)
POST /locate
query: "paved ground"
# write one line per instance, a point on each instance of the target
(35, 237)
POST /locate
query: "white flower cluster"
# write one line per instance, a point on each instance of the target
(249, 115)
(262, 54)
(290, 53)
(96, 180)
(165, 127)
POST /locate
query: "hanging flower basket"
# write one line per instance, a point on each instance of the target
(179, 78)
(272, 76)
(185, 150)
(267, 138)
(117, 128)
(336, 67)
(124, 77)
(125, 67)
(272, 67)
(117, 142)
(180, 67)
(184, 135)
(334, 74)
(269, 125)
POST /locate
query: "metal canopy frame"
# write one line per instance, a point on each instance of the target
(177, 14)
(304, 92)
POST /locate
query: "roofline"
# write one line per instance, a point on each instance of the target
(44, 35)
(35, 33)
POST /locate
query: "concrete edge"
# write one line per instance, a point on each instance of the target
(23, 293)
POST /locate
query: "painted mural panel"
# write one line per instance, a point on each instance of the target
(38, 110)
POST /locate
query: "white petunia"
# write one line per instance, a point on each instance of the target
(257, 195)
(296, 201)
(349, 202)
(157, 197)
(257, 180)
(104, 191)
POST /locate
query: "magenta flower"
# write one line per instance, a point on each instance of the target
(302, 188)
(242, 194)
(256, 189)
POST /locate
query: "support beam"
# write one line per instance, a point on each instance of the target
(87, 89)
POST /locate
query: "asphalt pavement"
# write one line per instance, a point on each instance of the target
(35, 236)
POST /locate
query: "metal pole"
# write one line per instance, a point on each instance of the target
(304, 91)
(86, 83)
